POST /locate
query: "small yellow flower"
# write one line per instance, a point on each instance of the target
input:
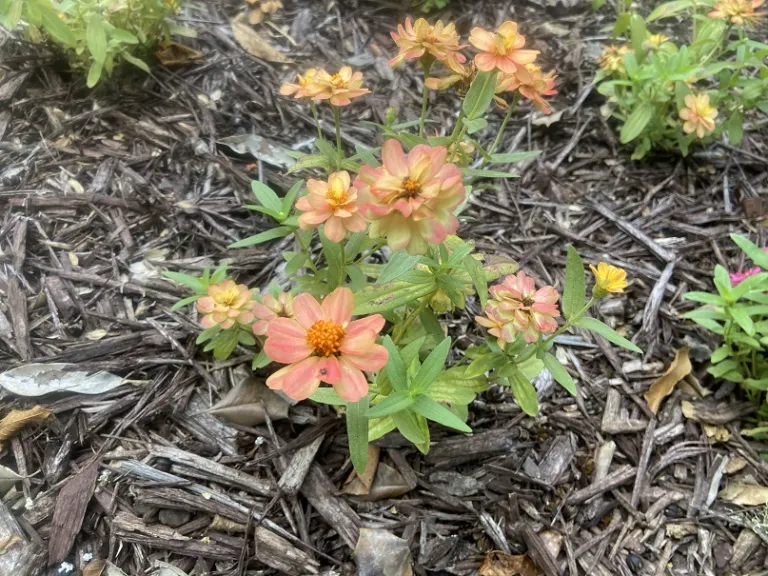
(612, 58)
(739, 12)
(698, 115)
(654, 41)
(608, 279)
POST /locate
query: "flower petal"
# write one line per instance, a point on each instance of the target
(306, 310)
(286, 328)
(338, 305)
(297, 381)
(329, 370)
(373, 323)
(334, 228)
(353, 385)
(374, 358)
(393, 158)
(287, 350)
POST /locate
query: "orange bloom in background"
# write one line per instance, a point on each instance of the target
(739, 12)
(270, 308)
(504, 83)
(608, 279)
(539, 85)
(528, 311)
(410, 199)
(699, 116)
(227, 303)
(303, 85)
(333, 202)
(415, 40)
(323, 344)
(339, 88)
(503, 50)
(612, 58)
(462, 75)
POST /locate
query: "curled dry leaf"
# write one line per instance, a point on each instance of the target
(499, 563)
(360, 484)
(244, 404)
(220, 524)
(265, 150)
(255, 44)
(745, 494)
(388, 483)
(678, 369)
(102, 568)
(7, 542)
(17, 419)
(381, 553)
(717, 433)
(41, 379)
(7, 479)
(172, 53)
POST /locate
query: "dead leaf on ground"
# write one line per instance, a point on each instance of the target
(681, 530)
(381, 553)
(499, 563)
(745, 494)
(735, 464)
(244, 404)
(220, 524)
(255, 44)
(360, 484)
(717, 433)
(40, 379)
(388, 483)
(174, 54)
(7, 542)
(261, 9)
(165, 569)
(17, 419)
(678, 369)
(7, 479)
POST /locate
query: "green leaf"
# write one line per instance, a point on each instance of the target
(14, 14)
(207, 334)
(266, 196)
(411, 351)
(326, 149)
(184, 302)
(179, 30)
(513, 157)
(380, 426)
(607, 332)
(485, 363)
(395, 402)
(742, 319)
(479, 95)
(574, 295)
(261, 360)
(704, 298)
(260, 238)
(96, 38)
(720, 354)
(290, 198)
(296, 263)
(735, 128)
(756, 282)
(638, 34)
(399, 264)
(327, 395)
(622, 24)
(479, 280)
(439, 413)
(723, 368)
(135, 61)
(395, 367)
(357, 433)
(475, 125)
(671, 8)
(757, 255)
(525, 394)
(224, 343)
(310, 161)
(123, 36)
(94, 73)
(408, 426)
(56, 27)
(386, 297)
(636, 122)
(559, 373)
(333, 257)
(432, 366)
(597, 4)
(431, 324)
(186, 280)
(482, 173)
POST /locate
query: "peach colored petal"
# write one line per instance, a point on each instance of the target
(287, 350)
(481, 39)
(297, 381)
(374, 359)
(280, 328)
(338, 305)
(306, 310)
(312, 219)
(393, 157)
(355, 223)
(206, 304)
(353, 386)
(359, 343)
(334, 228)
(373, 323)
(485, 62)
(260, 328)
(328, 370)
(207, 321)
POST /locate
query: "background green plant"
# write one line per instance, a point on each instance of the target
(95, 35)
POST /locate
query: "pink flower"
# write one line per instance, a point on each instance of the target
(738, 277)
(270, 308)
(321, 344)
(410, 199)
(496, 324)
(503, 50)
(226, 304)
(333, 202)
(530, 312)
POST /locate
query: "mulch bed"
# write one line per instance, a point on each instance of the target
(101, 191)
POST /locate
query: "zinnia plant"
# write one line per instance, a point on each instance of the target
(377, 264)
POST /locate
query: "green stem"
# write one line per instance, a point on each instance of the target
(305, 250)
(410, 318)
(339, 151)
(313, 107)
(427, 66)
(504, 122)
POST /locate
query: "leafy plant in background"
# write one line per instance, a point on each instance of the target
(738, 314)
(671, 95)
(378, 262)
(95, 35)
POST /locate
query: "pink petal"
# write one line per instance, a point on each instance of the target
(260, 328)
(485, 62)
(355, 223)
(374, 358)
(481, 39)
(329, 370)
(206, 304)
(287, 350)
(306, 310)
(360, 343)
(373, 323)
(393, 158)
(353, 386)
(334, 229)
(297, 381)
(338, 305)
(312, 219)
(207, 321)
(286, 328)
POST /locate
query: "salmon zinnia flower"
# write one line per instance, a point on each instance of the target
(461, 77)
(339, 88)
(699, 116)
(333, 202)
(502, 50)
(303, 86)
(410, 199)
(608, 279)
(530, 312)
(497, 326)
(322, 344)
(270, 308)
(415, 40)
(536, 85)
(739, 12)
(227, 303)
(612, 58)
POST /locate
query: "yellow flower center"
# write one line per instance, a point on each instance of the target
(228, 298)
(411, 187)
(337, 195)
(337, 80)
(325, 337)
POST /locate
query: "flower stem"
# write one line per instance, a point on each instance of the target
(305, 250)
(401, 328)
(426, 65)
(339, 152)
(313, 107)
(504, 122)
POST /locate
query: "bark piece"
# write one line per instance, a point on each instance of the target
(22, 558)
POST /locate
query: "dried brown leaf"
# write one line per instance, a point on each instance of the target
(7, 479)
(255, 44)
(745, 494)
(255, 16)
(360, 484)
(174, 54)
(7, 542)
(717, 433)
(17, 419)
(244, 404)
(219, 524)
(735, 464)
(388, 483)
(499, 563)
(678, 369)
(380, 552)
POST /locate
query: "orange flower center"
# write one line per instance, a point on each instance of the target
(411, 187)
(337, 80)
(325, 337)
(228, 298)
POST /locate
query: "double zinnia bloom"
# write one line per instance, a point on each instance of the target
(321, 343)
(317, 84)
(698, 115)
(503, 50)
(739, 12)
(415, 40)
(333, 202)
(226, 304)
